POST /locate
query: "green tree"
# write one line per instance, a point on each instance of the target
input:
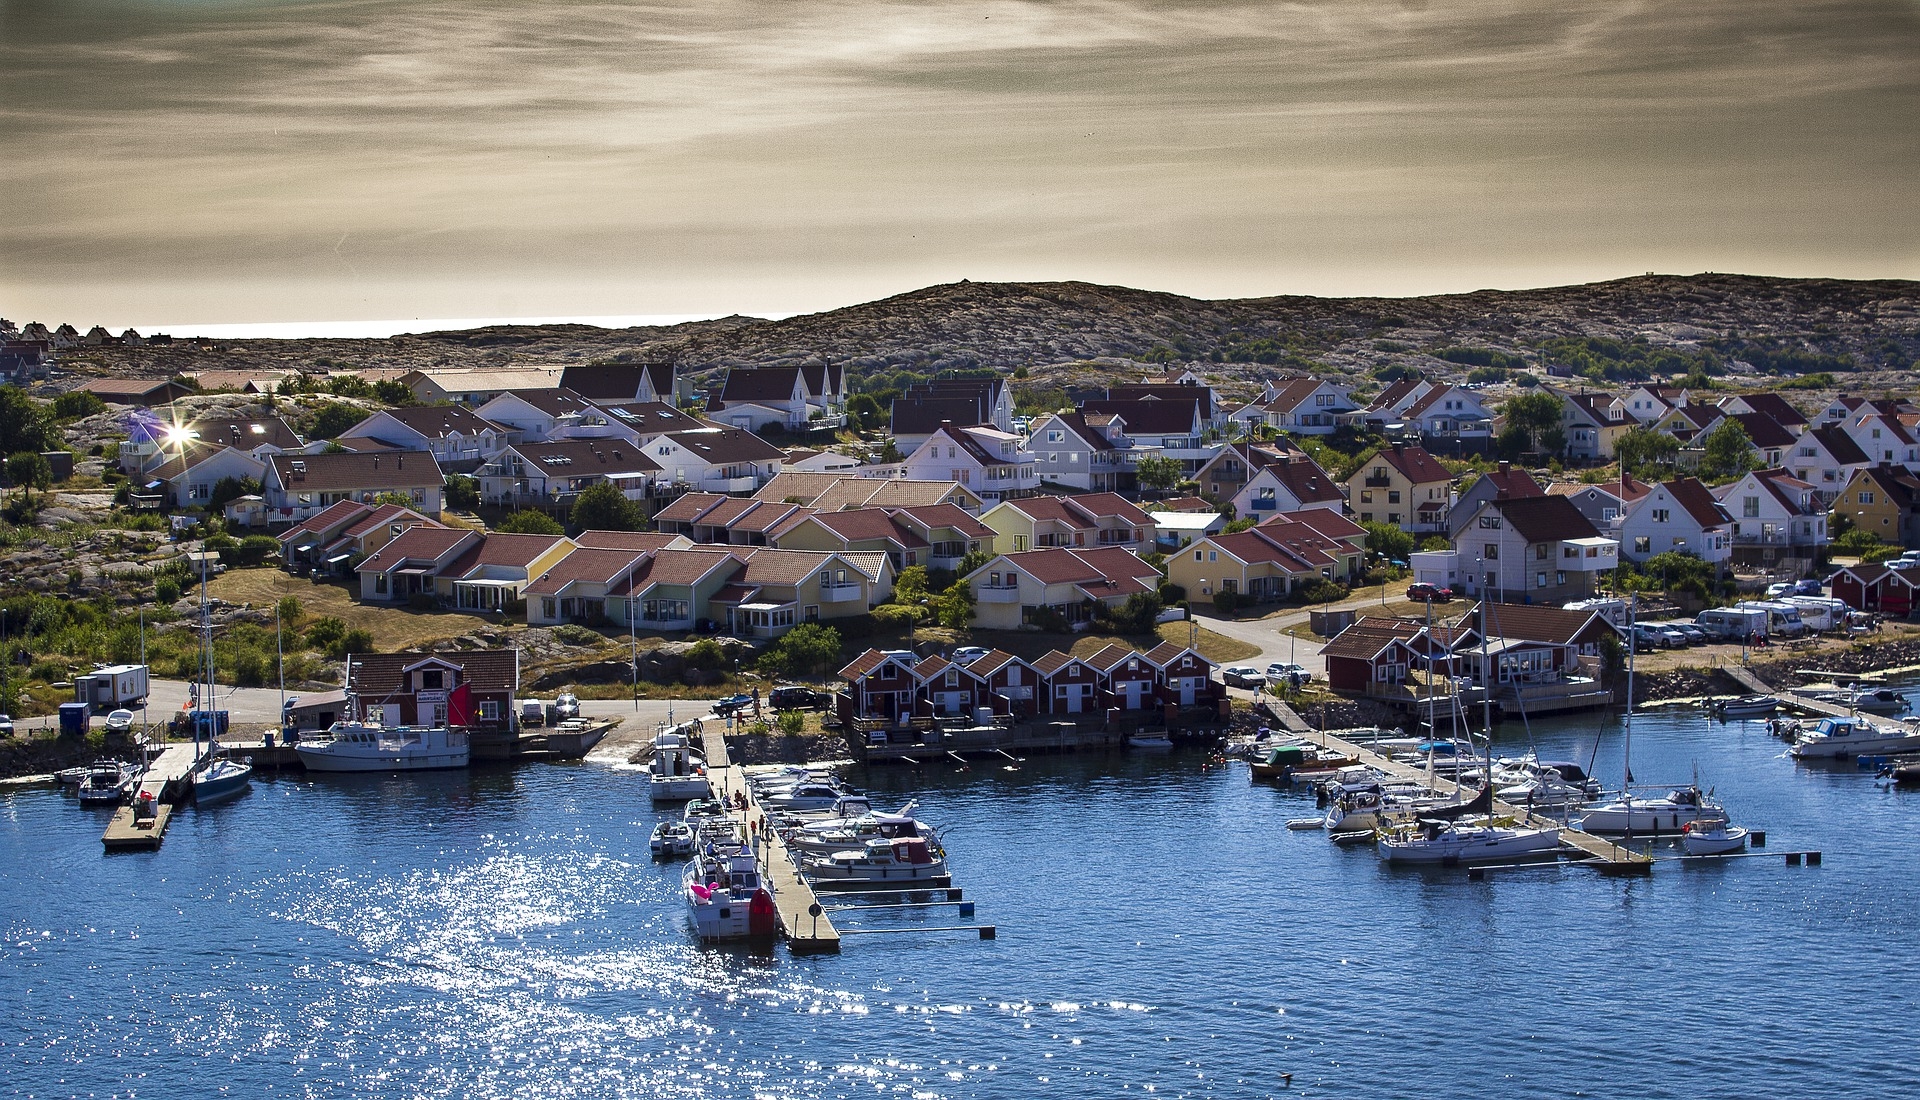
(865, 411)
(529, 522)
(394, 392)
(1643, 450)
(1160, 473)
(1728, 451)
(1244, 523)
(463, 492)
(974, 560)
(910, 587)
(953, 608)
(288, 610)
(1533, 426)
(604, 507)
(808, 650)
(1388, 540)
(29, 470)
(77, 405)
(329, 420)
(22, 426)
(1138, 615)
(229, 489)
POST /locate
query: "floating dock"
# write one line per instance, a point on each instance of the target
(1611, 858)
(1757, 686)
(164, 781)
(804, 921)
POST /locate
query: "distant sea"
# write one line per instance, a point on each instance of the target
(379, 330)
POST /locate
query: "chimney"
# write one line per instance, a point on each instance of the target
(376, 462)
(1505, 466)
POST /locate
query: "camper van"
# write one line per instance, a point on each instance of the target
(1783, 619)
(1820, 612)
(1614, 611)
(1732, 624)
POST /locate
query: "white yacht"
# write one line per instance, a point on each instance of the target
(1465, 842)
(354, 747)
(804, 796)
(906, 860)
(726, 897)
(1667, 814)
(1839, 738)
(677, 772)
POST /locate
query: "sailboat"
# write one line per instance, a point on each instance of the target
(215, 775)
(1447, 835)
(1678, 808)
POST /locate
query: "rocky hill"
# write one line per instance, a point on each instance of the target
(1869, 327)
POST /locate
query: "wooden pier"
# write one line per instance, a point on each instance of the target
(804, 921)
(1757, 686)
(164, 782)
(1611, 858)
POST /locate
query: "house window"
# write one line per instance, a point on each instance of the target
(1212, 556)
(953, 677)
(1542, 552)
(1196, 555)
(1866, 498)
(1393, 518)
(1492, 552)
(1366, 496)
(1055, 436)
(1661, 515)
(1750, 507)
(1540, 580)
(1560, 579)
(1013, 580)
(489, 710)
(1393, 496)
(432, 679)
(1019, 543)
(1642, 544)
(887, 672)
(547, 608)
(380, 583)
(1490, 523)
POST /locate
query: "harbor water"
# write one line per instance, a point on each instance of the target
(504, 932)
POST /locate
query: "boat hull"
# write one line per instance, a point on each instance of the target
(1657, 817)
(682, 788)
(1841, 748)
(1476, 845)
(319, 759)
(1714, 844)
(224, 782)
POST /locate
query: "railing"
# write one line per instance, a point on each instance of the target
(839, 593)
(1002, 594)
(1377, 482)
(724, 484)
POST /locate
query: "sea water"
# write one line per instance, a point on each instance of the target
(504, 931)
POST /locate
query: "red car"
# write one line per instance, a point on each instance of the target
(1425, 592)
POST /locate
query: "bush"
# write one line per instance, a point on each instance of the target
(530, 523)
(463, 493)
(356, 641)
(706, 655)
(1226, 602)
(1137, 616)
(792, 722)
(166, 590)
(1322, 591)
(75, 404)
(1171, 594)
(809, 650)
(249, 551)
(575, 634)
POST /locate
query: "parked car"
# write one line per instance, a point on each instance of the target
(1671, 635)
(1695, 635)
(732, 704)
(797, 698)
(1242, 676)
(6, 725)
(1646, 636)
(966, 655)
(1424, 592)
(1809, 587)
(565, 706)
(1280, 672)
(1775, 591)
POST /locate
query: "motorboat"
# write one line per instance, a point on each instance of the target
(105, 783)
(1149, 739)
(672, 839)
(1298, 759)
(1358, 806)
(217, 775)
(726, 897)
(838, 835)
(1543, 784)
(676, 772)
(1434, 841)
(905, 860)
(1712, 836)
(1787, 729)
(1840, 738)
(1867, 700)
(357, 747)
(1747, 706)
(70, 777)
(805, 796)
(1669, 813)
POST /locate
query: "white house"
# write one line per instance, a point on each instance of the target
(1288, 486)
(1081, 452)
(1031, 587)
(197, 469)
(459, 438)
(715, 460)
(990, 462)
(1885, 440)
(1680, 515)
(1772, 509)
(553, 474)
(536, 415)
(298, 486)
(1303, 406)
(1827, 458)
(1528, 549)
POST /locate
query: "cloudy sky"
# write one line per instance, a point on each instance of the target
(178, 161)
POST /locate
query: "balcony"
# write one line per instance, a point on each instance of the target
(724, 484)
(999, 594)
(1378, 482)
(839, 593)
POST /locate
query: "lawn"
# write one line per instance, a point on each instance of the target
(393, 628)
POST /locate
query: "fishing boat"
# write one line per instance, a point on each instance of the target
(1840, 738)
(1434, 841)
(906, 860)
(671, 839)
(358, 747)
(105, 783)
(1669, 813)
(676, 772)
(1747, 706)
(1712, 836)
(726, 897)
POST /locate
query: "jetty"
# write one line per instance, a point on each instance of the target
(803, 920)
(162, 784)
(1609, 857)
(1757, 686)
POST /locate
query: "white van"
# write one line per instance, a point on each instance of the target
(1820, 612)
(1732, 624)
(1783, 619)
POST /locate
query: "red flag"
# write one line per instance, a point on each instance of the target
(460, 706)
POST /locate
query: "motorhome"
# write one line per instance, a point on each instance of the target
(1614, 611)
(1783, 619)
(1732, 624)
(1820, 612)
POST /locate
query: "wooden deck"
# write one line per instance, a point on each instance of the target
(165, 781)
(1610, 857)
(1757, 686)
(808, 928)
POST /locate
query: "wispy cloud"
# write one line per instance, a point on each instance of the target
(656, 141)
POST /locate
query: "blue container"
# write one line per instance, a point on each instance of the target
(73, 718)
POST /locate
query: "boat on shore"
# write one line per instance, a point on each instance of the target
(1840, 738)
(357, 747)
(726, 897)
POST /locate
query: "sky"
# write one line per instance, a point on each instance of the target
(193, 162)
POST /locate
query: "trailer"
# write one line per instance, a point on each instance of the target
(111, 687)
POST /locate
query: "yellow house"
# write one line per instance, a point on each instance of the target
(1885, 502)
(1081, 522)
(1262, 565)
(494, 573)
(1402, 486)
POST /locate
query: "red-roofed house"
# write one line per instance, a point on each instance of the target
(1288, 486)
(1402, 486)
(1261, 565)
(406, 566)
(1679, 515)
(1775, 512)
(1502, 481)
(1085, 520)
(1013, 590)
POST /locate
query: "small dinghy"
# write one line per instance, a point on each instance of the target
(1712, 836)
(1748, 706)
